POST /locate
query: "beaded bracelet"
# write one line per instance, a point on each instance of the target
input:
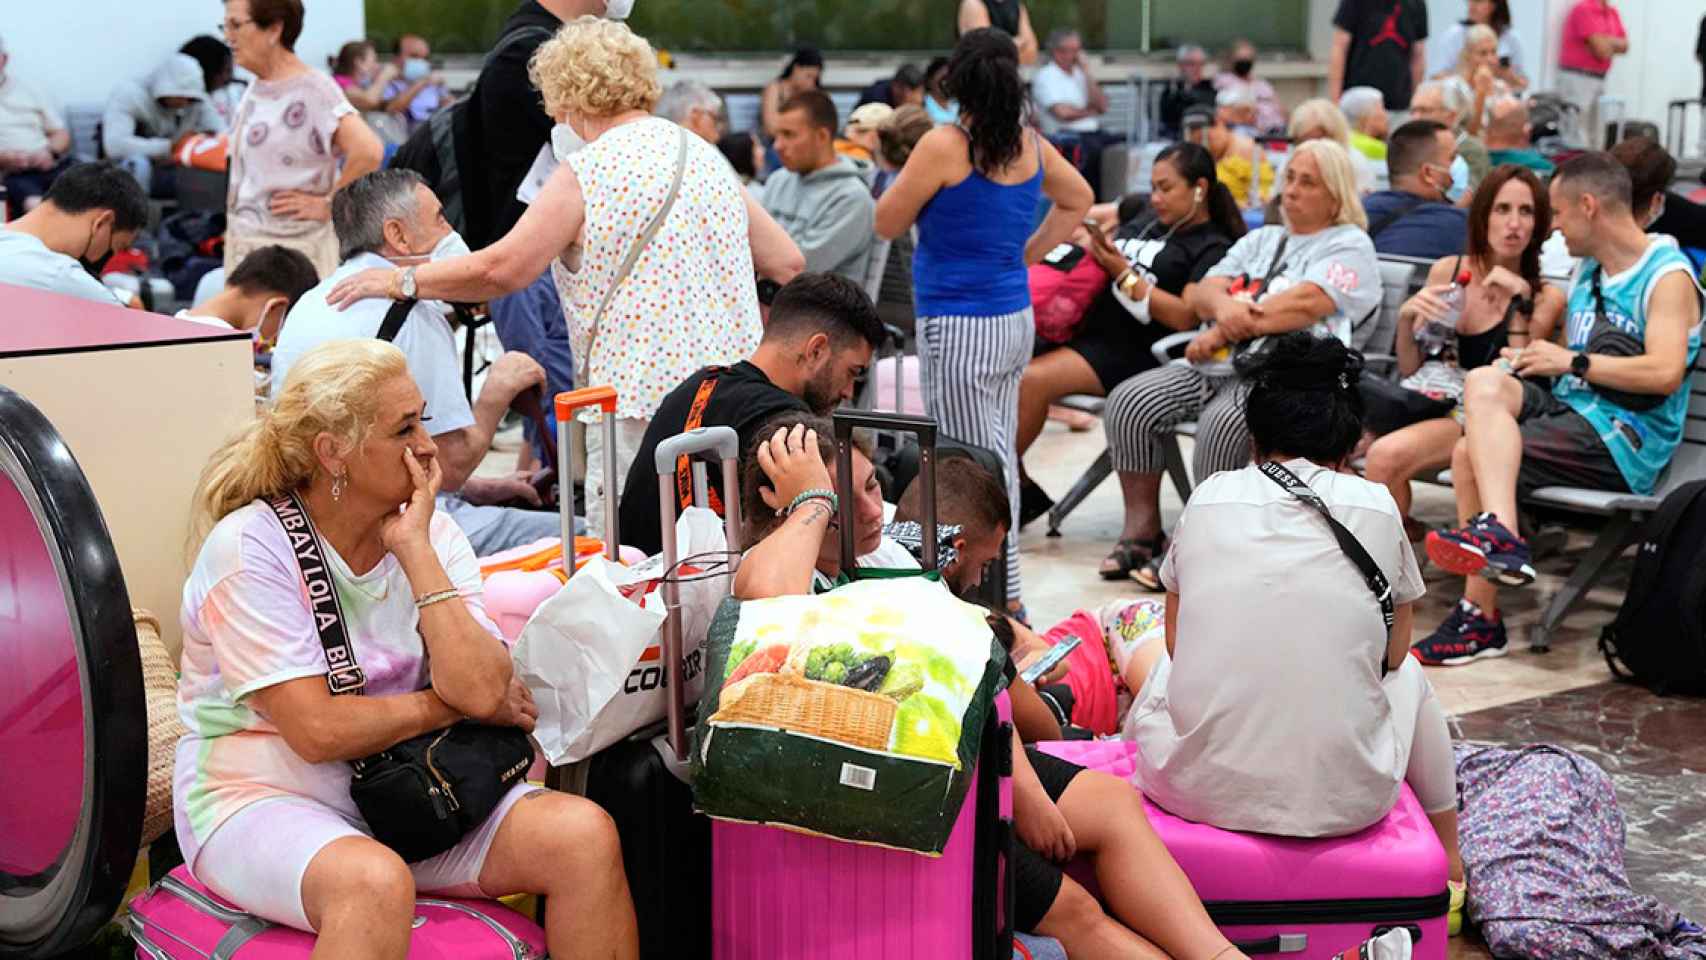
(809, 495)
(438, 597)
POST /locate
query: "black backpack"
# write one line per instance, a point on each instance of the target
(1659, 637)
(442, 150)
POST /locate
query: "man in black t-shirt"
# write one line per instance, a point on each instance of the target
(1379, 44)
(820, 338)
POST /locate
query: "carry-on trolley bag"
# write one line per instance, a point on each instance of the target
(666, 846)
(1299, 899)
(179, 919)
(779, 894)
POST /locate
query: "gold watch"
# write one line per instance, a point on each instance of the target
(1127, 283)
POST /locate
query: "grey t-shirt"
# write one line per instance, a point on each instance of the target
(1340, 260)
(27, 262)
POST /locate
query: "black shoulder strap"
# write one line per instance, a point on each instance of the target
(1348, 542)
(343, 674)
(1403, 210)
(1274, 263)
(394, 319)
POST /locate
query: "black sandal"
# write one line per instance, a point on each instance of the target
(1126, 556)
(1148, 573)
(1132, 555)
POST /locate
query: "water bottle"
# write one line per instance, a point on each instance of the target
(1436, 334)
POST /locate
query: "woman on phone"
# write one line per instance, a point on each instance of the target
(1191, 222)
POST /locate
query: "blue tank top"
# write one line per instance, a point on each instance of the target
(970, 260)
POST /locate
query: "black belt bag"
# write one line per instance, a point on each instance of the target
(422, 796)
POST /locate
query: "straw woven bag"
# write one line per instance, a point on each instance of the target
(791, 702)
(160, 685)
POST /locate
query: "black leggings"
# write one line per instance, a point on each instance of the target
(1037, 879)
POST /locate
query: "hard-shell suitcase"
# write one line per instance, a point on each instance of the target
(778, 894)
(666, 845)
(1307, 899)
(179, 919)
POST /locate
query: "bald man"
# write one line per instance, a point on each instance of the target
(1507, 137)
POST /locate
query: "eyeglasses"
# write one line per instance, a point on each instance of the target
(230, 27)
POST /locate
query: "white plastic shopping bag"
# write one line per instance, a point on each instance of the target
(591, 654)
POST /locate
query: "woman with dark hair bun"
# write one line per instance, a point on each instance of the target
(1276, 645)
(803, 71)
(973, 189)
(1190, 222)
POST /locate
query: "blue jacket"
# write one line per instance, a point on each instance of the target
(1427, 229)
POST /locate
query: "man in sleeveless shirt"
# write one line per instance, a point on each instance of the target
(1611, 420)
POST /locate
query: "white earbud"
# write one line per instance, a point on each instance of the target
(1198, 197)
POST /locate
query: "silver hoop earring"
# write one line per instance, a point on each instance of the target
(338, 487)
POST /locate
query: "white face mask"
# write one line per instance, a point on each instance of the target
(451, 246)
(618, 9)
(565, 142)
(1459, 180)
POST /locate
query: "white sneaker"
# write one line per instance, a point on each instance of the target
(1394, 944)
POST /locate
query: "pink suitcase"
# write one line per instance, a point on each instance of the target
(781, 895)
(179, 919)
(1302, 899)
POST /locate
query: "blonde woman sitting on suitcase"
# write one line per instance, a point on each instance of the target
(262, 800)
(1061, 809)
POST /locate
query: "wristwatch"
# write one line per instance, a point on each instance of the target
(1128, 283)
(407, 283)
(1579, 365)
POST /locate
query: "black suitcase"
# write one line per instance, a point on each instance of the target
(666, 844)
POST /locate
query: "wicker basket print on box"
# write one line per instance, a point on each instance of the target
(855, 713)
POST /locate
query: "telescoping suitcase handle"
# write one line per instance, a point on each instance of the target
(924, 428)
(725, 443)
(604, 398)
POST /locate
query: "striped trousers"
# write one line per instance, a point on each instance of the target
(1142, 411)
(970, 368)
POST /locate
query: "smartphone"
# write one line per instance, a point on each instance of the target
(1047, 662)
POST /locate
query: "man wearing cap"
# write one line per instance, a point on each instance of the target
(860, 141)
(1070, 104)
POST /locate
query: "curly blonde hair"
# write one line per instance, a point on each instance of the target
(333, 388)
(596, 68)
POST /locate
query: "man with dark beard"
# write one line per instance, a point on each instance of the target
(819, 340)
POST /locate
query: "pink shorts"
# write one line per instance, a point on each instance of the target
(292, 830)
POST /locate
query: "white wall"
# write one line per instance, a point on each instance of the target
(1660, 66)
(76, 50)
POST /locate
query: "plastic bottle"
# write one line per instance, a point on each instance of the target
(1435, 334)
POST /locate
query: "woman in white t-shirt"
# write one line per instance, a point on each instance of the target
(261, 794)
(1295, 711)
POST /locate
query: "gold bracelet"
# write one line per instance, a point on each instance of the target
(439, 597)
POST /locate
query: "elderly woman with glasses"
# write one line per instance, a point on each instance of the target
(296, 140)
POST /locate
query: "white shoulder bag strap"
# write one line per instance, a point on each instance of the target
(640, 242)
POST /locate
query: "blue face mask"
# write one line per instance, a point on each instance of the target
(1459, 180)
(415, 69)
(940, 114)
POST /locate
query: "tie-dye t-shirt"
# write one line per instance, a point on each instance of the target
(247, 627)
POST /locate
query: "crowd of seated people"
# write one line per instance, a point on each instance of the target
(747, 307)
